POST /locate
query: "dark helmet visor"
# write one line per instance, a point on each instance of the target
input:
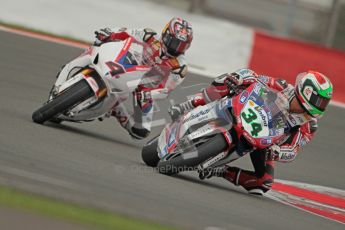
(174, 45)
(319, 101)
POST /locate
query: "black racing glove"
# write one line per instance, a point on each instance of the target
(102, 35)
(272, 153)
(234, 83)
(175, 111)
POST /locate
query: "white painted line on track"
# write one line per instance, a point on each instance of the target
(317, 206)
(276, 198)
(317, 188)
(271, 196)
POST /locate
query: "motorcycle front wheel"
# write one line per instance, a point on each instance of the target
(75, 94)
(149, 153)
(190, 160)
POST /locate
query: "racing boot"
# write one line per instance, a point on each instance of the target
(127, 122)
(249, 180)
(209, 172)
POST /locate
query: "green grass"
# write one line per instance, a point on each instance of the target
(74, 213)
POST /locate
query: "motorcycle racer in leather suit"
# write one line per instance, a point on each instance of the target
(307, 103)
(167, 51)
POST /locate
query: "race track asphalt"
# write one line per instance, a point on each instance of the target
(98, 165)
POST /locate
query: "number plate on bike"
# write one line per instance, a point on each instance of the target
(255, 120)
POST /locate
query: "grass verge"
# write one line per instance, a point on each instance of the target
(74, 213)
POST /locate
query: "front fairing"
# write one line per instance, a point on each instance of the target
(197, 124)
(121, 66)
(261, 115)
(126, 54)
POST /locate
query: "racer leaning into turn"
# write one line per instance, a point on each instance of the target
(307, 103)
(167, 51)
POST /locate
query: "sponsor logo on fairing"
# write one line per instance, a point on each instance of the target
(264, 79)
(244, 97)
(252, 97)
(266, 141)
(257, 88)
(287, 156)
(201, 132)
(268, 112)
(194, 116)
(262, 115)
(215, 159)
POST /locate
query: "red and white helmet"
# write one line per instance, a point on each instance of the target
(177, 37)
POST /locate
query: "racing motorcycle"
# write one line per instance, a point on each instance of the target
(116, 68)
(222, 131)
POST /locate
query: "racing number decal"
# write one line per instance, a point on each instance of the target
(115, 68)
(249, 118)
(256, 129)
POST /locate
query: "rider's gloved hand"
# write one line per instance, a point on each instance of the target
(175, 111)
(233, 81)
(272, 153)
(102, 35)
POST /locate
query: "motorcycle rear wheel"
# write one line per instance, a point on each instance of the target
(210, 148)
(75, 94)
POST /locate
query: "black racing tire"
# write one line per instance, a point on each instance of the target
(149, 153)
(210, 148)
(75, 94)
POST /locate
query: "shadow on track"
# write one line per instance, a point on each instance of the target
(230, 188)
(208, 183)
(88, 134)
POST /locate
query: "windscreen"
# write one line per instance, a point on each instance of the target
(265, 112)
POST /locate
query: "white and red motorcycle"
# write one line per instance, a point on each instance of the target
(115, 69)
(222, 131)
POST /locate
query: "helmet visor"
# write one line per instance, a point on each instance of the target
(174, 45)
(319, 102)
